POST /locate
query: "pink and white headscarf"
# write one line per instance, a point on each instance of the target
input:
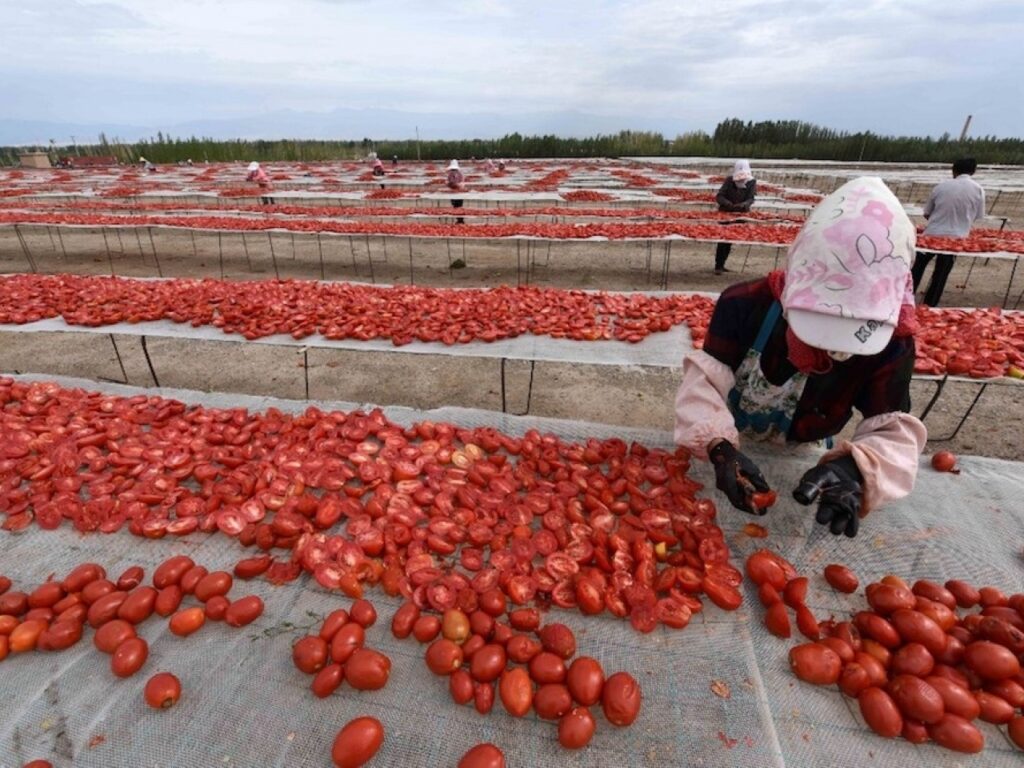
(848, 284)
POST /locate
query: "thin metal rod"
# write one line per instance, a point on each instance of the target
(60, 239)
(145, 351)
(305, 368)
(273, 256)
(245, 246)
(320, 249)
(120, 362)
(412, 280)
(24, 247)
(220, 253)
(152, 244)
(110, 259)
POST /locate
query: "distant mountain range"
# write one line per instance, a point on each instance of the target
(344, 124)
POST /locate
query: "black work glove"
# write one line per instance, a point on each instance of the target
(737, 477)
(837, 486)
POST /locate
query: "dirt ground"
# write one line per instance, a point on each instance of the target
(632, 396)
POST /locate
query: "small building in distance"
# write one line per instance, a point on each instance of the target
(34, 159)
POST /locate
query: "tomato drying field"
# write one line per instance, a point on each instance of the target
(318, 399)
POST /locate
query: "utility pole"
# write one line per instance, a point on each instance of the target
(417, 143)
(967, 125)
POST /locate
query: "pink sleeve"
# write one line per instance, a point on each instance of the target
(886, 449)
(701, 409)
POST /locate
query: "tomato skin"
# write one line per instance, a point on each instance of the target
(966, 596)
(483, 756)
(762, 568)
(993, 709)
(357, 743)
(131, 578)
(558, 639)
(213, 584)
(524, 619)
(1015, 730)
(404, 620)
(777, 620)
(171, 570)
(460, 686)
(168, 600)
(309, 654)
(426, 628)
(725, 597)
(46, 595)
(367, 670)
(60, 636)
(576, 728)
(880, 712)
(916, 699)
(190, 579)
(455, 626)
(162, 690)
(186, 621)
(251, 567)
(138, 606)
(328, 680)
(345, 642)
(955, 733)
(488, 663)
(26, 635)
(522, 648)
(621, 699)
(547, 667)
(552, 701)
(443, 656)
(991, 661)
(841, 578)
(80, 576)
(363, 613)
(483, 697)
(243, 611)
(129, 657)
(112, 634)
(106, 608)
(493, 602)
(38, 764)
(585, 680)
(516, 691)
(217, 607)
(96, 589)
(815, 663)
(912, 659)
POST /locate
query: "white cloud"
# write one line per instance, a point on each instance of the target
(899, 66)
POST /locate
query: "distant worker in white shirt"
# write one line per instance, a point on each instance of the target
(952, 207)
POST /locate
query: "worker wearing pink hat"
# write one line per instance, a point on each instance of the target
(789, 357)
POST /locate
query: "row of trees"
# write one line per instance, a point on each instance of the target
(731, 138)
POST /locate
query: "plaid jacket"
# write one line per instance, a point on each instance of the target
(873, 384)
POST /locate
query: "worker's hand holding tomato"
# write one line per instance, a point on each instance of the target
(738, 477)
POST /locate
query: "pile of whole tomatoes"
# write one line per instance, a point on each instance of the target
(301, 308)
(528, 664)
(440, 514)
(53, 616)
(917, 667)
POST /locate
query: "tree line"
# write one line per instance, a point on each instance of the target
(731, 138)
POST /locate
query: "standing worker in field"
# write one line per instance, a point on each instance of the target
(257, 174)
(952, 207)
(378, 170)
(454, 181)
(736, 195)
(788, 357)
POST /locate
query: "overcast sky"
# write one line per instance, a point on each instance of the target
(890, 66)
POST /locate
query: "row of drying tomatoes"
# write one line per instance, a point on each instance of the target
(761, 233)
(437, 513)
(917, 668)
(981, 343)
(377, 211)
(982, 241)
(300, 308)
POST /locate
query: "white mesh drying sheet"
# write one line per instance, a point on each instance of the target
(244, 703)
